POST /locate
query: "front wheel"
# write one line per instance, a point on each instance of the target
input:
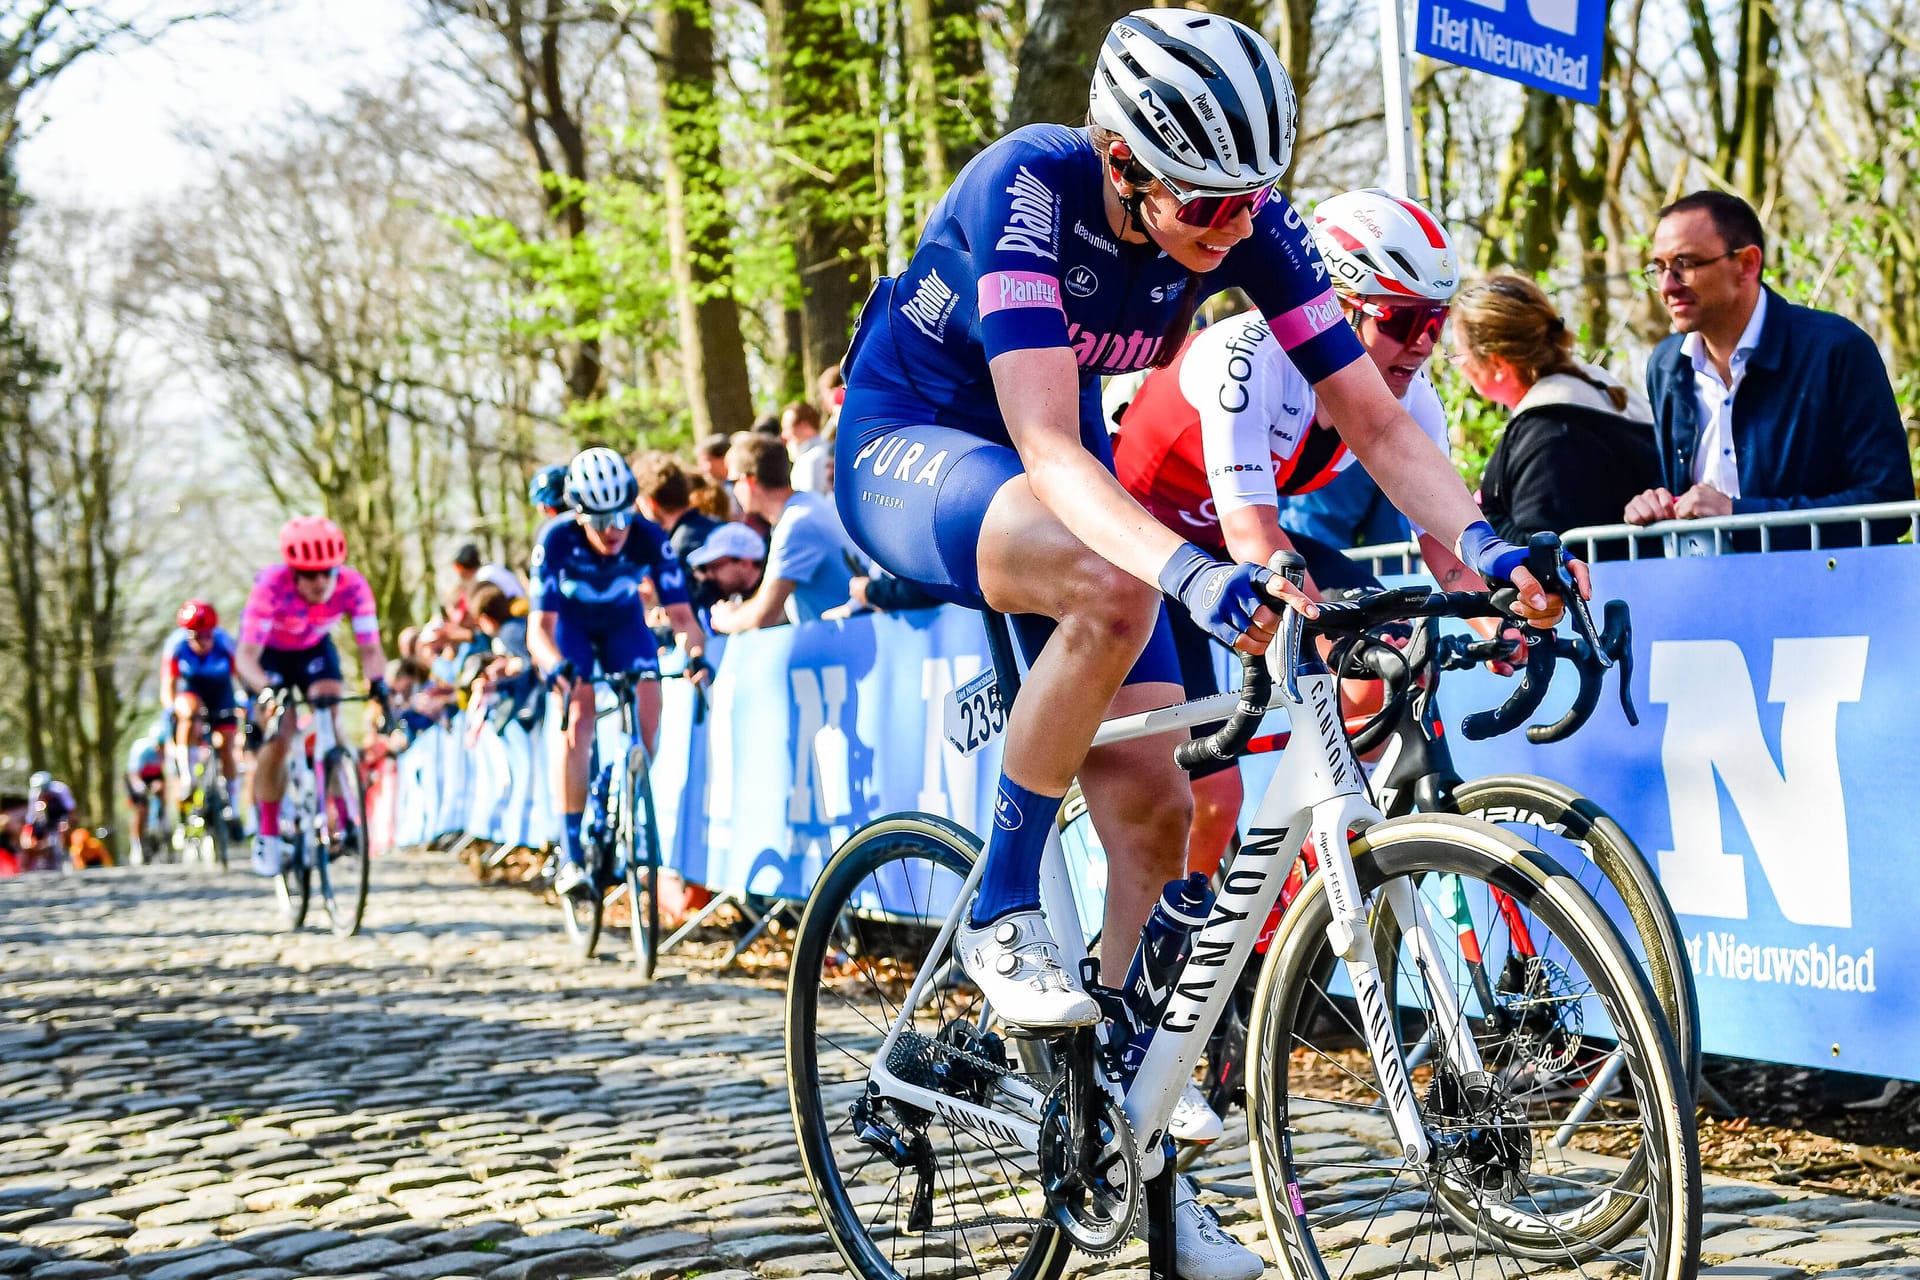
(905, 1191)
(583, 910)
(1585, 840)
(1532, 1177)
(641, 853)
(343, 879)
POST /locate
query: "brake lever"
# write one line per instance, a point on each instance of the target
(1617, 643)
(1548, 562)
(1526, 697)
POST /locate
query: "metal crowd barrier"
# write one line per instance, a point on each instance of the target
(1710, 536)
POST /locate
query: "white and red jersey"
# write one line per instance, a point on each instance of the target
(1230, 424)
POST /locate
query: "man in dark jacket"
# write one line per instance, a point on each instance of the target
(1758, 405)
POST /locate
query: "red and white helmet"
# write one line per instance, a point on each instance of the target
(312, 544)
(1379, 245)
(197, 615)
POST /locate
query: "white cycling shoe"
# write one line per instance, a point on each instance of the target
(269, 855)
(1016, 964)
(1202, 1249)
(1193, 1121)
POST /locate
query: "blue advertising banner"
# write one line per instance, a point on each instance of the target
(1779, 698)
(1780, 729)
(1549, 44)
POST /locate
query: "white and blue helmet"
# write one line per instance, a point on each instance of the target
(600, 481)
(1201, 100)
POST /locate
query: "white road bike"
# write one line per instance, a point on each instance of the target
(938, 1142)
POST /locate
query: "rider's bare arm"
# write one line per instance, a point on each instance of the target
(1253, 534)
(246, 661)
(540, 641)
(1039, 393)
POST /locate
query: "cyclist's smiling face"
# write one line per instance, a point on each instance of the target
(1195, 248)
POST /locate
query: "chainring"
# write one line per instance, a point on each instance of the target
(1096, 1201)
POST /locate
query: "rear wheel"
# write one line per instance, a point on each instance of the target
(904, 1191)
(296, 879)
(344, 880)
(1525, 1179)
(583, 910)
(214, 815)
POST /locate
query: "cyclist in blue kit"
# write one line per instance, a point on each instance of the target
(973, 461)
(588, 616)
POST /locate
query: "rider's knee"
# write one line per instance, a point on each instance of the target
(1112, 603)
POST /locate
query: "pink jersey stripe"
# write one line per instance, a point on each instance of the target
(1307, 321)
(1004, 290)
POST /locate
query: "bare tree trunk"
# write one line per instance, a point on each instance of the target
(1056, 60)
(713, 357)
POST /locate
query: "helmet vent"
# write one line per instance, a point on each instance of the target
(1413, 272)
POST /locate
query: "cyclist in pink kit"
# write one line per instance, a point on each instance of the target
(284, 642)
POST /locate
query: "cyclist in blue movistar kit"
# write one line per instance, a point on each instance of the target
(588, 615)
(973, 461)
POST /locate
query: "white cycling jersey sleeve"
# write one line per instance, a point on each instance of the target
(1253, 406)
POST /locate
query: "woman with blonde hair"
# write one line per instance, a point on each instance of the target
(1579, 445)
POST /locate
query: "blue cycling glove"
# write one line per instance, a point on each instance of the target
(1488, 554)
(1221, 597)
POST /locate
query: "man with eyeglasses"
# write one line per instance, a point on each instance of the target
(1759, 405)
(284, 641)
(589, 616)
(810, 559)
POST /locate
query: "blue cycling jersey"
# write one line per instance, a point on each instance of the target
(180, 662)
(567, 570)
(1019, 254)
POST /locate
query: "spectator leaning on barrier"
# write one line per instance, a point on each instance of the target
(729, 564)
(1759, 405)
(812, 460)
(882, 593)
(1579, 446)
(810, 560)
(666, 498)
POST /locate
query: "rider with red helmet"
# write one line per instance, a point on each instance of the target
(196, 675)
(284, 641)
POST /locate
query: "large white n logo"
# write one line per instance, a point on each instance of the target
(1796, 814)
(822, 789)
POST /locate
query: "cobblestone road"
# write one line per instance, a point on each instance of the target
(186, 1093)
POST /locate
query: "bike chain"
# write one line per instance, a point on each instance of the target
(909, 1059)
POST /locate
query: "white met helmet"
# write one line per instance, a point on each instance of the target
(599, 480)
(1379, 245)
(1201, 100)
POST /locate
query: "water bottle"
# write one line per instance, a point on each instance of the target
(1179, 914)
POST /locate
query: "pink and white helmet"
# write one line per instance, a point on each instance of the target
(1379, 245)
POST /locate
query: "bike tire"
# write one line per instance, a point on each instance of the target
(214, 816)
(1559, 813)
(845, 943)
(345, 877)
(1322, 1144)
(582, 915)
(642, 856)
(295, 882)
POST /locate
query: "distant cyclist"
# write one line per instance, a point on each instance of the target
(547, 491)
(145, 776)
(284, 641)
(50, 811)
(196, 675)
(589, 616)
(974, 461)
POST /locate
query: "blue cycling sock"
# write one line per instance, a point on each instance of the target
(1011, 881)
(570, 839)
